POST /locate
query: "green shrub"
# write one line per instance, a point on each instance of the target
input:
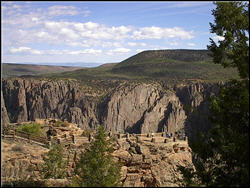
(54, 165)
(61, 124)
(58, 123)
(32, 128)
(96, 167)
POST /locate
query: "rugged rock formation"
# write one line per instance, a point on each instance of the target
(148, 164)
(195, 100)
(5, 117)
(144, 163)
(20, 160)
(144, 108)
(133, 108)
(30, 99)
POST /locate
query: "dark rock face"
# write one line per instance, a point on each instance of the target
(144, 109)
(5, 117)
(138, 108)
(15, 101)
(195, 100)
(27, 100)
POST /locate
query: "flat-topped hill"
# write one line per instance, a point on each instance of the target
(172, 66)
(12, 69)
(179, 55)
(175, 65)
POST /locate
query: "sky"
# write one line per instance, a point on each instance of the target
(100, 31)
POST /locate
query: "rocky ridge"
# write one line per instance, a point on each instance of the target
(147, 160)
(129, 108)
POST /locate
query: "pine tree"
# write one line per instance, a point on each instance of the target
(96, 167)
(54, 165)
(222, 156)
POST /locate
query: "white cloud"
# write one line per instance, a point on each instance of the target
(161, 33)
(121, 50)
(118, 50)
(218, 38)
(108, 44)
(91, 25)
(132, 44)
(40, 29)
(76, 52)
(42, 34)
(143, 44)
(58, 10)
(96, 31)
(79, 44)
(21, 21)
(185, 4)
(191, 44)
(86, 51)
(44, 27)
(35, 19)
(20, 49)
(68, 33)
(54, 26)
(28, 50)
(24, 49)
(37, 52)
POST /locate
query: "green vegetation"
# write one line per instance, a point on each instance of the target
(168, 67)
(54, 165)
(172, 66)
(32, 128)
(11, 69)
(61, 124)
(222, 156)
(96, 167)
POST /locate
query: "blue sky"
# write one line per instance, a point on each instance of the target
(101, 31)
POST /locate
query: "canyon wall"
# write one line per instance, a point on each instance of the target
(132, 108)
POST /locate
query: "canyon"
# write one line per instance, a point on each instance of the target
(143, 95)
(129, 107)
(146, 159)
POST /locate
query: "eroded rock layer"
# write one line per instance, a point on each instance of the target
(129, 108)
(146, 161)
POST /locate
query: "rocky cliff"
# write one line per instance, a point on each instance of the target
(29, 99)
(146, 161)
(132, 108)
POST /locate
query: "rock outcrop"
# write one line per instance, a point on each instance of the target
(145, 108)
(20, 160)
(5, 117)
(27, 100)
(145, 163)
(195, 100)
(129, 108)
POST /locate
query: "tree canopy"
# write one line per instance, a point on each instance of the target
(231, 23)
(96, 168)
(54, 165)
(221, 157)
